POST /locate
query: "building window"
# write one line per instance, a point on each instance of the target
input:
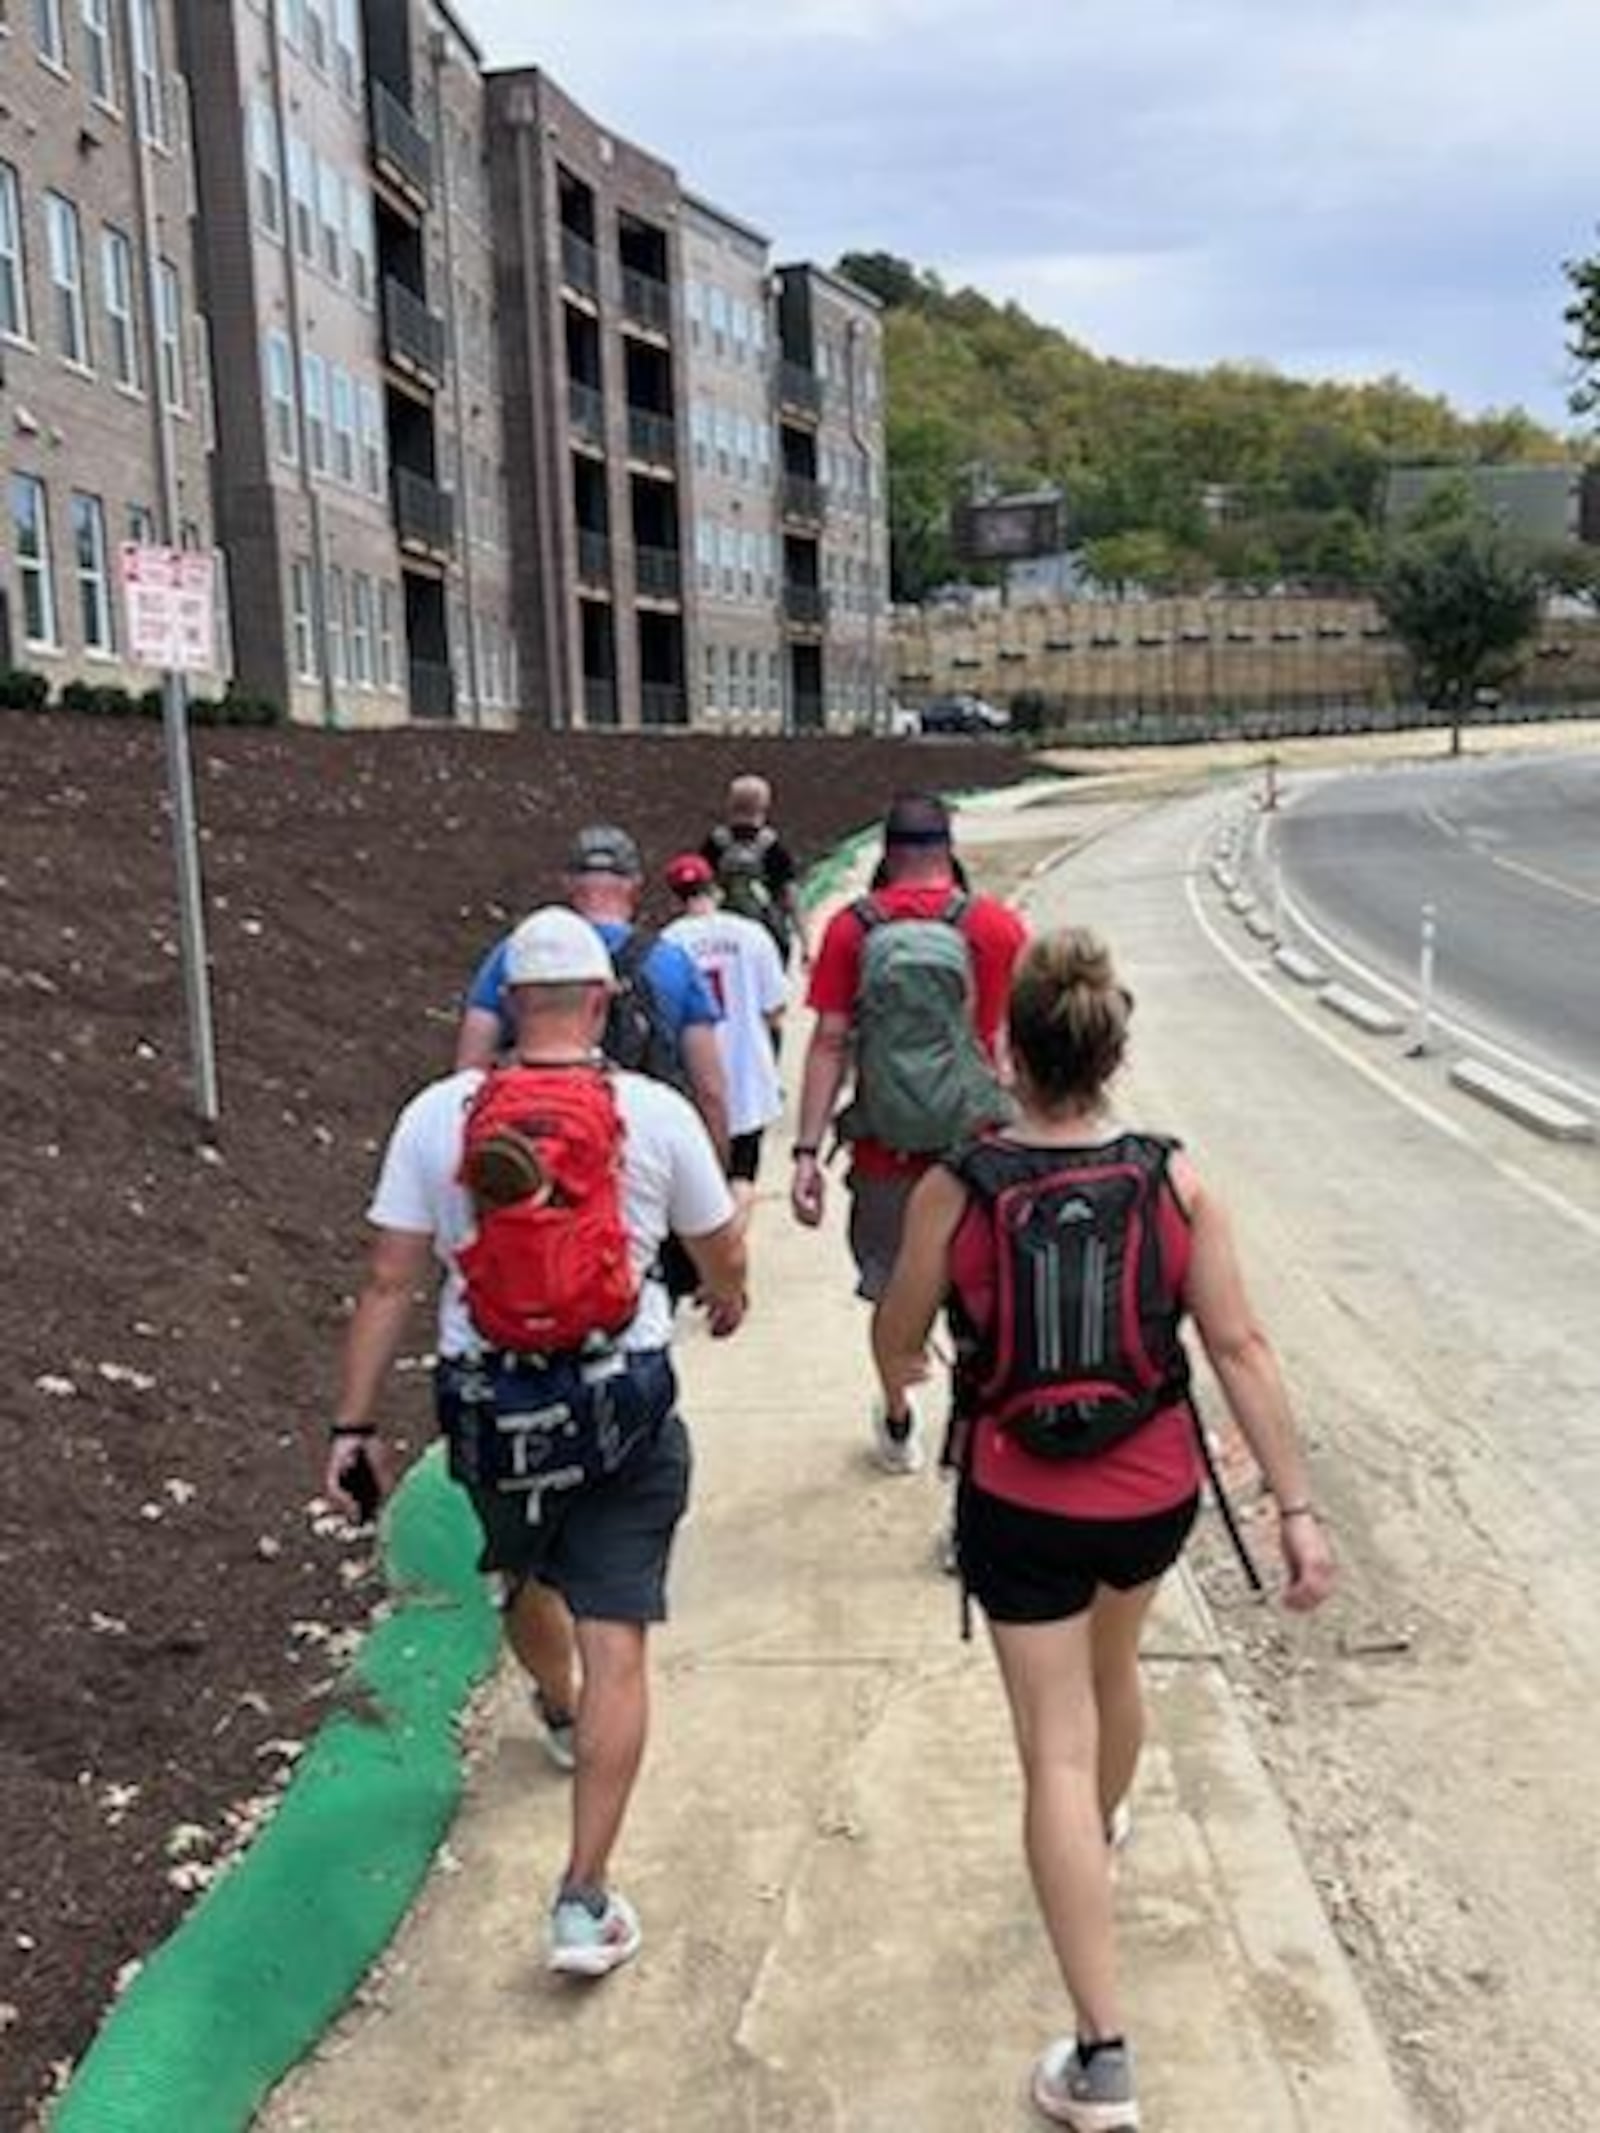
(292, 17)
(264, 150)
(65, 251)
(735, 698)
(99, 45)
(49, 33)
(746, 436)
(729, 542)
(695, 303)
(330, 206)
(141, 525)
(705, 551)
(388, 673)
(13, 267)
(314, 384)
(169, 336)
(372, 453)
(30, 540)
(724, 429)
(362, 241)
(302, 198)
(711, 677)
(347, 49)
(336, 666)
(149, 84)
(344, 427)
(280, 395)
(361, 630)
(774, 683)
(303, 621)
(315, 22)
(94, 579)
(700, 430)
(747, 565)
(122, 338)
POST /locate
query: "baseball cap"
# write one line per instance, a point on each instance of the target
(688, 872)
(602, 848)
(557, 947)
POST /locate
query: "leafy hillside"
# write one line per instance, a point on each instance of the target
(1177, 477)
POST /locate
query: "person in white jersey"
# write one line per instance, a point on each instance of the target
(743, 971)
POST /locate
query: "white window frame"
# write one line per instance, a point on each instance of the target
(141, 526)
(303, 197)
(13, 259)
(267, 167)
(388, 620)
(330, 220)
(315, 29)
(347, 50)
(314, 390)
(303, 621)
(342, 421)
(361, 243)
(361, 630)
(117, 298)
(96, 608)
(63, 236)
(149, 79)
(34, 569)
(373, 441)
(100, 51)
(50, 34)
(281, 400)
(338, 673)
(169, 338)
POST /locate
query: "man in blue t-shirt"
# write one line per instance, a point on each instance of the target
(605, 879)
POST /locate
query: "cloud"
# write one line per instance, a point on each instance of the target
(1185, 180)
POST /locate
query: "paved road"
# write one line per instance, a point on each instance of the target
(1508, 851)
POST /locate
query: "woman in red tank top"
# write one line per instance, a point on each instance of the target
(1068, 1250)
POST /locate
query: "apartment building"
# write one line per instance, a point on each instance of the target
(104, 375)
(592, 325)
(368, 527)
(737, 679)
(833, 500)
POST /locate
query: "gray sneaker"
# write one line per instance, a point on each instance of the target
(1097, 2098)
(558, 1730)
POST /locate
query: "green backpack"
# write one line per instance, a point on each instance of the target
(923, 1082)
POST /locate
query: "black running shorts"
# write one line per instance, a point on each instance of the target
(1033, 1566)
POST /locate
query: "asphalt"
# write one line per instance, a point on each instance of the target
(824, 1849)
(1507, 853)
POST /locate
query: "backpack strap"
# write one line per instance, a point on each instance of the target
(955, 911)
(629, 960)
(868, 914)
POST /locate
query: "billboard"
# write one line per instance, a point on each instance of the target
(1010, 529)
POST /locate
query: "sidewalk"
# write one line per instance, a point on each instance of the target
(824, 1848)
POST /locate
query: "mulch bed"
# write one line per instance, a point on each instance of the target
(171, 1311)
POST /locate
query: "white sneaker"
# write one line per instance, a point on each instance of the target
(898, 1445)
(582, 1945)
(558, 1731)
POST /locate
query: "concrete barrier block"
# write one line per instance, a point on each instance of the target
(1370, 1015)
(1259, 923)
(1296, 964)
(1241, 900)
(1519, 1100)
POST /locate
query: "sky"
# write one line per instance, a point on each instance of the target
(1340, 188)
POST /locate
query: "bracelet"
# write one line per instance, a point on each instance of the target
(353, 1429)
(1295, 1510)
(805, 1148)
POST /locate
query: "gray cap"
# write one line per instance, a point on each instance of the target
(605, 849)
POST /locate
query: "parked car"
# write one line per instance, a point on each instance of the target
(963, 713)
(904, 722)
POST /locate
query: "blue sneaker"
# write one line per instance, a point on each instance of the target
(1093, 2098)
(582, 1945)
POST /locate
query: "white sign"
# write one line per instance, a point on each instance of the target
(171, 598)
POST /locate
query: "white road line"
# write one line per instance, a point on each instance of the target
(1557, 882)
(1514, 1175)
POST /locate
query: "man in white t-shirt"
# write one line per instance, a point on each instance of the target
(743, 971)
(582, 1567)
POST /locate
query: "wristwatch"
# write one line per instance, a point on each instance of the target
(805, 1148)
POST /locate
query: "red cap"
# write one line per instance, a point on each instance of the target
(688, 873)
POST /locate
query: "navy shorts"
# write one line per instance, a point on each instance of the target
(1033, 1566)
(604, 1546)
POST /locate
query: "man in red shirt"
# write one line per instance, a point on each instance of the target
(917, 881)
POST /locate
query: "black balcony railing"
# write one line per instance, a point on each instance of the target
(803, 499)
(806, 605)
(594, 557)
(599, 701)
(647, 300)
(652, 438)
(413, 335)
(400, 148)
(799, 388)
(424, 514)
(580, 263)
(586, 412)
(807, 711)
(662, 703)
(433, 693)
(657, 573)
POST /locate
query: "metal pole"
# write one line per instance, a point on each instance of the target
(175, 687)
(467, 522)
(1425, 973)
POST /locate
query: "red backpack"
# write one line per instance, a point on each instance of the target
(1083, 1347)
(549, 1269)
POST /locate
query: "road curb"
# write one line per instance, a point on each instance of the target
(1296, 964)
(1519, 1100)
(1351, 1006)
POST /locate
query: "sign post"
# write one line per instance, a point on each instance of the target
(171, 600)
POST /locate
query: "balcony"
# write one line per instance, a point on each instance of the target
(401, 151)
(586, 413)
(805, 606)
(803, 499)
(652, 438)
(799, 391)
(646, 301)
(657, 573)
(661, 703)
(599, 701)
(413, 335)
(432, 689)
(424, 515)
(580, 264)
(594, 560)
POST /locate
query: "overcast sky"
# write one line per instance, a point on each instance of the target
(1341, 187)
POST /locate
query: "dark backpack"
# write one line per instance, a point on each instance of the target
(637, 1035)
(1083, 1345)
(742, 878)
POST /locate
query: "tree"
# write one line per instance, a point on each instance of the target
(1583, 323)
(1143, 557)
(1463, 598)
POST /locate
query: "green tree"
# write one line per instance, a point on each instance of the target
(1463, 598)
(1583, 329)
(1143, 558)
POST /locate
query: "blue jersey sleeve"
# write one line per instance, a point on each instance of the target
(682, 991)
(488, 987)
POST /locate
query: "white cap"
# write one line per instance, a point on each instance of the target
(557, 947)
